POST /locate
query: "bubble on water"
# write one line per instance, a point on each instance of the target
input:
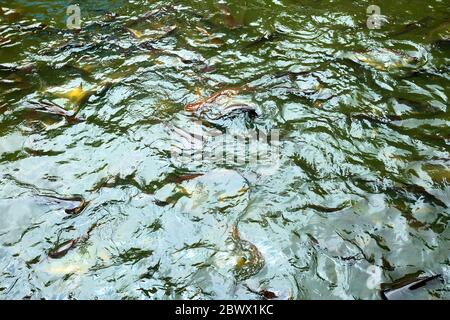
(375, 277)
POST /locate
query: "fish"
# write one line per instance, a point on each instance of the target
(405, 188)
(162, 33)
(222, 104)
(439, 173)
(77, 95)
(62, 249)
(53, 109)
(186, 177)
(265, 294)
(443, 44)
(410, 27)
(213, 98)
(249, 259)
(203, 31)
(235, 109)
(229, 20)
(440, 32)
(384, 59)
(416, 189)
(73, 205)
(407, 289)
(77, 209)
(135, 33)
(149, 15)
(325, 209)
(10, 68)
(267, 37)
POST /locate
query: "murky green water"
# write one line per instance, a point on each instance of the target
(95, 206)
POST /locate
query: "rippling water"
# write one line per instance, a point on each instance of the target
(96, 206)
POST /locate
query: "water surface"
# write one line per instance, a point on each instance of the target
(359, 200)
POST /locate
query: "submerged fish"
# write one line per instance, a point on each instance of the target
(222, 104)
(385, 59)
(249, 260)
(271, 295)
(53, 109)
(266, 37)
(149, 15)
(410, 27)
(77, 95)
(409, 288)
(439, 173)
(228, 19)
(439, 33)
(153, 35)
(61, 250)
(72, 205)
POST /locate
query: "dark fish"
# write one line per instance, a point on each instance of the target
(34, 27)
(267, 37)
(212, 99)
(400, 187)
(220, 105)
(149, 15)
(408, 289)
(53, 109)
(443, 44)
(164, 32)
(325, 209)
(187, 177)
(413, 188)
(207, 69)
(236, 109)
(265, 294)
(161, 203)
(73, 205)
(78, 209)
(440, 32)
(422, 23)
(229, 20)
(10, 68)
(61, 249)
(387, 119)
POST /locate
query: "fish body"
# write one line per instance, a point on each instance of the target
(53, 109)
(249, 259)
(385, 59)
(222, 104)
(61, 250)
(410, 289)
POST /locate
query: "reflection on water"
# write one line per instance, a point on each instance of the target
(93, 205)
